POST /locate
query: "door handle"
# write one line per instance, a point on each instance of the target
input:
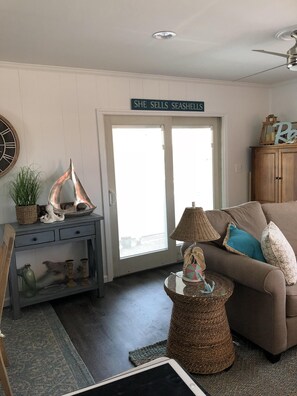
(112, 198)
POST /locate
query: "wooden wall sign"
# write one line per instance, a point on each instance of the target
(166, 105)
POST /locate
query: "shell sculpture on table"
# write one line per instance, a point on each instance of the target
(194, 264)
(82, 204)
(194, 267)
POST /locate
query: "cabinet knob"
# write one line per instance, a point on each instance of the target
(77, 232)
(34, 239)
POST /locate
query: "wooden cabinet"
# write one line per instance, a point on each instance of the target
(38, 235)
(274, 173)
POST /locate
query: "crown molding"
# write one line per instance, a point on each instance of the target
(118, 74)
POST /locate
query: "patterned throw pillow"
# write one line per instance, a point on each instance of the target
(279, 252)
(241, 242)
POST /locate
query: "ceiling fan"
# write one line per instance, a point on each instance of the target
(291, 57)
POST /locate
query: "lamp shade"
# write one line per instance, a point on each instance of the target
(194, 226)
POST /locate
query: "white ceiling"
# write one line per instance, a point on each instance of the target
(214, 38)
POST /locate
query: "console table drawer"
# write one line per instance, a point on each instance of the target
(77, 232)
(34, 238)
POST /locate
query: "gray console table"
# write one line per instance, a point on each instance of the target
(82, 228)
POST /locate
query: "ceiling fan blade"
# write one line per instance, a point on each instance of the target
(263, 71)
(272, 53)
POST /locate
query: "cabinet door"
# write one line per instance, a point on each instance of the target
(288, 174)
(264, 175)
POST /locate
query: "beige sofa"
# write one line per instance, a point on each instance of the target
(262, 308)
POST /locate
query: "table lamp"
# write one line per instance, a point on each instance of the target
(194, 226)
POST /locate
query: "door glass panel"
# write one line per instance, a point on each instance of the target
(145, 204)
(192, 168)
(140, 189)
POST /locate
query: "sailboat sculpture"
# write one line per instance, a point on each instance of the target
(81, 205)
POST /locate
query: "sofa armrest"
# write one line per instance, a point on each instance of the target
(251, 273)
(257, 308)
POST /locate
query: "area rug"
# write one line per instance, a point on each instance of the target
(42, 358)
(251, 374)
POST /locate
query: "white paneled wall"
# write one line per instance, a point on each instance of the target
(283, 101)
(54, 113)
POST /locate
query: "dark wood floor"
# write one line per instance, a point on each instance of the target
(134, 312)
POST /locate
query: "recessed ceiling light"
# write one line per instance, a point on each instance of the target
(164, 35)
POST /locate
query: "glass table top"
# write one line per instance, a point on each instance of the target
(222, 286)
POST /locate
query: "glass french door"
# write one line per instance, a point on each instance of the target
(156, 167)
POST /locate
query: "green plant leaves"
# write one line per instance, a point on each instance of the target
(26, 187)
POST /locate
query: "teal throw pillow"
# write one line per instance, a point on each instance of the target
(241, 242)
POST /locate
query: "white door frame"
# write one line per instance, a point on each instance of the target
(100, 113)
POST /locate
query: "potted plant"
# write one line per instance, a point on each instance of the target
(24, 191)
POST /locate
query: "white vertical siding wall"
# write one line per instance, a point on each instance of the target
(54, 113)
(283, 101)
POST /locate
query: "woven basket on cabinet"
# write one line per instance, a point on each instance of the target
(26, 214)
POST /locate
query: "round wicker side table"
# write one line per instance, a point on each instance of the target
(199, 335)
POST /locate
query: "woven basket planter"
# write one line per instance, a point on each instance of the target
(26, 214)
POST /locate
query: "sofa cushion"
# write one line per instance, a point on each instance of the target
(219, 220)
(241, 242)
(248, 217)
(281, 214)
(278, 252)
(291, 300)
